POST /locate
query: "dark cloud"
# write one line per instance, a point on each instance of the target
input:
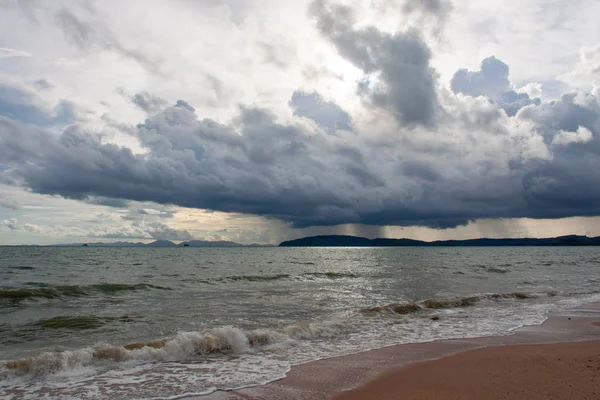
(148, 102)
(185, 104)
(107, 201)
(512, 102)
(398, 75)
(294, 173)
(421, 170)
(21, 104)
(417, 159)
(269, 169)
(326, 114)
(492, 81)
(573, 110)
(571, 180)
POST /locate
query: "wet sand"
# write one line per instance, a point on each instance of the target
(572, 336)
(565, 371)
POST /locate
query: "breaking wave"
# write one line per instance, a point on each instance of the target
(437, 304)
(186, 346)
(195, 346)
(56, 291)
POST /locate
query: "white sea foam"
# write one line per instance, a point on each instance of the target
(229, 357)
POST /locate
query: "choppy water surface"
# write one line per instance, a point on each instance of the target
(122, 323)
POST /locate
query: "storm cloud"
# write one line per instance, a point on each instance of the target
(413, 152)
(492, 81)
(24, 104)
(326, 114)
(398, 75)
(292, 172)
(148, 102)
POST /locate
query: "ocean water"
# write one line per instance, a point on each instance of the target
(126, 323)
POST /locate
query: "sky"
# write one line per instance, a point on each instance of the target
(259, 121)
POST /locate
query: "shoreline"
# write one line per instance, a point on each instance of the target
(326, 378)
(560, 371)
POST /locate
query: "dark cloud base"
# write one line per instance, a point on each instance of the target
(439, 162)
(307, 177)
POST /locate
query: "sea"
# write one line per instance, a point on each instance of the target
(144, 323)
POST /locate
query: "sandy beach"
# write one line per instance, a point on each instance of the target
(565, 371)
(559, 359)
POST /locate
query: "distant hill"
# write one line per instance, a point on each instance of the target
(163, 244)
(204, 243)
(354, 241)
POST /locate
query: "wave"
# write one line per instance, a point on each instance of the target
(330, 275)
(437, 304)
(121, 287)
(47, 292)
(497, 270)
(278, 277)
(23, 268)
(189, 346)
(57, 291)
(77, 322)
(253, 278)
(502, 269)
(185, 346)
(206, 344)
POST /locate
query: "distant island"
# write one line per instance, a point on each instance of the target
(163, 243)
(354, 241)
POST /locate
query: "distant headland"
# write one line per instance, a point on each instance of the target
(163, 243)
(354, 241)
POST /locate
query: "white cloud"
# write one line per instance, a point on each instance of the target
(100, 66)
(533, 90)
(8, 202)
(12, 53)
(11, 224)
(563, 138)
(587, 72)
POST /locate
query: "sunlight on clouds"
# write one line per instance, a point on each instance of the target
(101, 69)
